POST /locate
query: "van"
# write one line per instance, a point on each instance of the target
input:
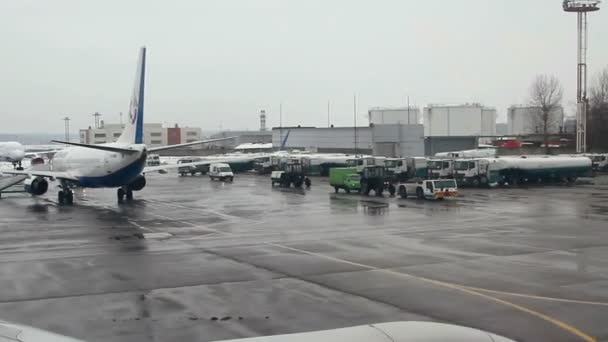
(221, 171)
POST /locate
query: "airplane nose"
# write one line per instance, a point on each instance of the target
(18, 154)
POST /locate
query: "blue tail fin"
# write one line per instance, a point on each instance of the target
(133, 132)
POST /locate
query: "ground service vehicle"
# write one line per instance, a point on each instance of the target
(473, 172)
(526, 169)
(429, 189)
(294, 173)
(153, 159)
(440, 168)
(221, 171)
(396, 169)
(193, 170)
(345, 178)
(374, 178)
(600, 162)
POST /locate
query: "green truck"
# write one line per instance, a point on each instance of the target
(345, 178)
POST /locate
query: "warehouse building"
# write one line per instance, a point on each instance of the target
(382, 140)
(324, 139)
(459, 120)
(524, 120)
(154, 134)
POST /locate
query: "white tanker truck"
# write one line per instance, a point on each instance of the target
(524, 169)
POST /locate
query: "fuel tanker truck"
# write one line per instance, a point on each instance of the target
(518, 170)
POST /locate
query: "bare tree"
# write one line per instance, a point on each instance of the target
(546, 94)
(597, 122)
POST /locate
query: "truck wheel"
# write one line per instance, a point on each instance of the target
(483, 180)
(419, 193)
(347, 190)
(391, 190)
(475, 182)
(365, 189)
(181, 174)
(192, 173)
(402, 192)
(336, 189)
(307, 182)
(379, 190)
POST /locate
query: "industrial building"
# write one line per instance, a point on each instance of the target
(524, 120)
(459, 120)
(502, 128)
(154, 134)
(382, 140)
(324, 139)
(392, 116)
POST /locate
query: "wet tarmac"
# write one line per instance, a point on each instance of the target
(195, 260)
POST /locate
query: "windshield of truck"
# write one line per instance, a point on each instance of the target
(225, 169)
(435, 165)
(446, 183)
(461, 165)
(353, 178)
(391, 163)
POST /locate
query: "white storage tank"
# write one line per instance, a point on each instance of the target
(394, 116)
(523, 120)
(459, 120)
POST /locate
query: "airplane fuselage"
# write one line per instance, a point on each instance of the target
(11, 151)
(101, 169)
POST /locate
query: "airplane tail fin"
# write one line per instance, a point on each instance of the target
(134, 127)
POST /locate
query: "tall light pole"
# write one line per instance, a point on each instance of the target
(67, 128)
(581, 8)
(355, 118)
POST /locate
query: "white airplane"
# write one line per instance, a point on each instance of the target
(121, 164)
(12, 152)
(381, 332)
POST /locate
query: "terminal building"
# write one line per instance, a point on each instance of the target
(154, 134)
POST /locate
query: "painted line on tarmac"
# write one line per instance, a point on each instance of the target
(565, 326)
(524, 295)
(139, 226)
(474, 292)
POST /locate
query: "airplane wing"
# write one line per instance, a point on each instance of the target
(42, 173)
(199, 163)
(99, 147)
(10, 181)
(175, 166)
(168, 147)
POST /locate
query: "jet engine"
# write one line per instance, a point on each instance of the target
(36, 186)
(138, 184)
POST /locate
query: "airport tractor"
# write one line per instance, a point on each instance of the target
(345, 178)
(375, 178)
(295, 172)
(221, 171)
(429, 189)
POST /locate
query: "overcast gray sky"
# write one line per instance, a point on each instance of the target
(218, 62)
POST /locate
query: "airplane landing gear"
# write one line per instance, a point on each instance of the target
(17, 166)
(121, 193)
(65, 196)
